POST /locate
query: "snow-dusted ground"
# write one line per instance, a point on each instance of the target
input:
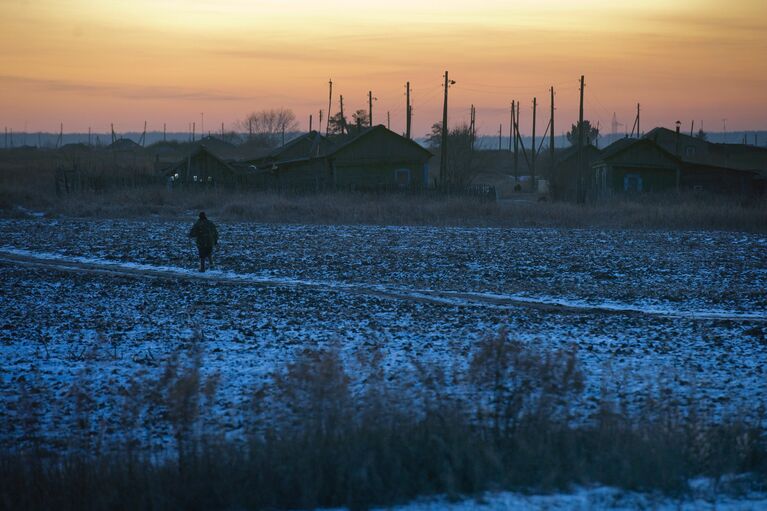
(105, 300)
(585, 499)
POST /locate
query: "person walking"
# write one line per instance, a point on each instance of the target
(206, 236)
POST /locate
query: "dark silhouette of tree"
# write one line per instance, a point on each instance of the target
(361, 119)
(337, 124)
(463, 162)
(590, 133)
(434, 137)
(267, 126)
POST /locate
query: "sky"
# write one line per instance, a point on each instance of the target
(89, 63)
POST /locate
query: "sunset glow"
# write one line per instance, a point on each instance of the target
(90, 63)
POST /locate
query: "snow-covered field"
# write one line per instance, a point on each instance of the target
(111, 299)
(584, 499)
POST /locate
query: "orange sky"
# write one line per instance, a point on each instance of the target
(88, 62)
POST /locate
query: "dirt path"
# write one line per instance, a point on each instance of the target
(438, 297)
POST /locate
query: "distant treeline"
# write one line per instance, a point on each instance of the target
(50, 140)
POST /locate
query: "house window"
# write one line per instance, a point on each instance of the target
(402, 177)
(632, 183)
(689, 150)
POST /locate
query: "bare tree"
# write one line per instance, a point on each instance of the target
(267, 126)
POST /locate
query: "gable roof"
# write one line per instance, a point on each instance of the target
(220, 148)
(124, 144)
(563, 155)
(730, 156)
(310, 144)
(380, 128)
(619, 146)
(201, 148)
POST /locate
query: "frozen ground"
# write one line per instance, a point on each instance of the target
(110, 299)
(584, 499)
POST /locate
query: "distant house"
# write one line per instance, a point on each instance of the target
(376, 158)
(631, 166)
(564, 178)
(204, 168)
(309, 145)
(720, 168)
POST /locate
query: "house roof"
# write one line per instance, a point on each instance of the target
(220, 148)
(624, 144)
(729, 156)
(307, 145)
(124, 144)
(376, 129)
(201, 148)
(563, 155)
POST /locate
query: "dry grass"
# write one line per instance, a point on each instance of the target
(35, 190)
(316, 441)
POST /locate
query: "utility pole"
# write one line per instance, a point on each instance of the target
(343, 119)
(330, 104)
(500, 134)
(319, 124)
(370, 108)
(443, 142)
(89, 136)
(580, 188)
(194, 129)
(636, 124)
(511, 127)
(163, 133)
(408, 111)
(310, 123)
(532, 149)
(472, 126)
(515, 116)
(692, 127)
(551, 134)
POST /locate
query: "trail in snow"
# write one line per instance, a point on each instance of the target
(445, 297)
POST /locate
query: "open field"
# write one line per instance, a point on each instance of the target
(107, 334)
(687, 310)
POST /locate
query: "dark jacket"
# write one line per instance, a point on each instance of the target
(204, 232)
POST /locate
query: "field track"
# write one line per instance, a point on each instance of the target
(452, 298)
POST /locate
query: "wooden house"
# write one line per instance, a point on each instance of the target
(632, 166)
(718, 168)
(374, 159)
(205, 168)
(563, 184)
